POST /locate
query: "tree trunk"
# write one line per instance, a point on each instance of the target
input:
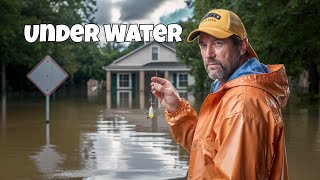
(313, 79)
(3, 79)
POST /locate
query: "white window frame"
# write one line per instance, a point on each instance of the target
(118, 81)
(178, 81)
(183, 91)
(118, 97)
(158, 53)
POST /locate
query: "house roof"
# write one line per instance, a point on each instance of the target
(151, 66)
(164, 66)
(170, 46)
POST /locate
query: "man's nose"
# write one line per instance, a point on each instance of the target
(210, 52)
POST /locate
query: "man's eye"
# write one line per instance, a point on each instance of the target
(202, 46)
(218, 43)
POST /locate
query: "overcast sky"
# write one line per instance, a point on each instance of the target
(141, 11)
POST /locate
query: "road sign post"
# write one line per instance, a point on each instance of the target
(47, 75)
(47, 109)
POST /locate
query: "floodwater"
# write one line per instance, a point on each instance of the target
(85, 141)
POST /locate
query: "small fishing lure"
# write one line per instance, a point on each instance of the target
(151, 112)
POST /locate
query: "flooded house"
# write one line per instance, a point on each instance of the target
(128, 78)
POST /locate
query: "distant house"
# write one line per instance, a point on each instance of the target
(128, 78)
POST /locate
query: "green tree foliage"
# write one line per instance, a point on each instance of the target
(287, 32)
(280, 32)
(81, 61)
(284, 32)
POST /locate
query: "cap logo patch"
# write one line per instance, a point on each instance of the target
(214, 15)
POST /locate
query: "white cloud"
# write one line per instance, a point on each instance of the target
(166, 8)
(135, 12)
(109, 11)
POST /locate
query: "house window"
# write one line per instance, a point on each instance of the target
(124, 99)
(155, 53)
(183, 94)
(124, 81)
(182, 80)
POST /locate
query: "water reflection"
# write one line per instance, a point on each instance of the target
(302, 141)
(314, 129)
(85, 141)
(3, 116)
(118, 150)
(47, 159)
(3, 110)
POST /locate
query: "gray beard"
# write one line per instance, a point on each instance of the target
(218, 75)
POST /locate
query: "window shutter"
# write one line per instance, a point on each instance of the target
(133, 79)
(175, 79)
(113, 90)
(134, 90)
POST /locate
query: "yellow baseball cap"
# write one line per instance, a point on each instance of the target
(221, 24)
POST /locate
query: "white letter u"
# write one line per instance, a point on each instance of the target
(35, 33)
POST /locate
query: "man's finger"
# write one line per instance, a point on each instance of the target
(157, 94)
(162, 89)
(159, 80)
(158, 87)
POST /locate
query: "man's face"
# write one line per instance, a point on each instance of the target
(220, 57)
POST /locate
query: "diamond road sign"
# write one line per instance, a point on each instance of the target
(47, 75)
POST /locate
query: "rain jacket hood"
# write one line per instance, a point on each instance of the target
(239, 133)
(275, 83)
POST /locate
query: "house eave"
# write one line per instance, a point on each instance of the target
(145, 69)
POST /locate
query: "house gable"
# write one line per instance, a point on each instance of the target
(143, 55)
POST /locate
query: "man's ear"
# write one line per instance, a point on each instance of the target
(244, 46)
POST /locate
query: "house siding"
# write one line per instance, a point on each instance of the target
(166, 55)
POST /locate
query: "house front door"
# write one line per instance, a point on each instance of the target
(124, 99)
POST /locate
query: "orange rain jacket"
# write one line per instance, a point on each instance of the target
(239, 133)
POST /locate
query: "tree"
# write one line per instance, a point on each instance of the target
(280, 32)
(9, 11)
(16, 53)
(285, 32)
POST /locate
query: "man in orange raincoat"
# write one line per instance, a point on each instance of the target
(239, 132)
